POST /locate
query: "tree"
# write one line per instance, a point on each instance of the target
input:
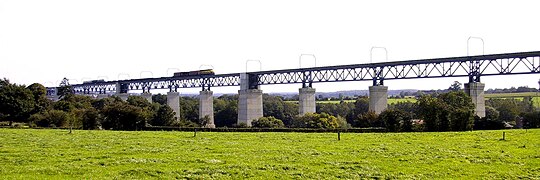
(226, 110)
(16, 102)
(273, 106)
(396, 120)
(432, 111)
(451, 111)
(509, 109)
(456, 86)
(123, 116)
(160, 99)
(267, 122)
(314, 120)
(531, 119)
(41, 103)
(91, 119)
(409, 107)
(361, 105)
(491, 121)
(164, 116)
(367, 119)
(290, 110)
(64, 89)
(189, 109)
(138, 101)
(51, 118)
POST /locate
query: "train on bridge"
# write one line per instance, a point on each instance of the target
(194, 73)
(94, 81)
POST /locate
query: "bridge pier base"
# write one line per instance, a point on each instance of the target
(206, 107)
(476, 91)
(378, 98)
(250, 106)
(123, 96)
(147, 96)
(306, 100)
(173, 101)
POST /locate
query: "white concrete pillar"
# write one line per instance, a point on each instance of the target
(118, 88)
(173, 101)
(147, 96)
(250, 106)
(476, 91)
(378, 98)
(306, 100)
(206, 107)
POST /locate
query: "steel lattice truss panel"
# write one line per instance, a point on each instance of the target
(161, 83)
(469, 66)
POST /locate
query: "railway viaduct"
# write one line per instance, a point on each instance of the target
(250, 105)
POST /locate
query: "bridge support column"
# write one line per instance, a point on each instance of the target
(306, 100)
(147, 96)
(250, 105)
(378, 98)
(173, 101)
(206, 107)
(476, 91)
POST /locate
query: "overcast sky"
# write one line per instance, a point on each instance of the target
(44, 41)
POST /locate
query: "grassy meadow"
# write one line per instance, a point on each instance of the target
(390, 101)
(55, 154)
(519, 96)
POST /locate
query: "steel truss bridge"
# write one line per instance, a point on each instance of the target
(473, 67)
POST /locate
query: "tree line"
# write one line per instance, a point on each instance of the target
(449, 111)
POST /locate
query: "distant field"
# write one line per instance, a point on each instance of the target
(390, 101)
(505, 95)
(55, 154)
(394, 101)
(519, 96)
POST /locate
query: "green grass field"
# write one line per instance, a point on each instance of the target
(519, 96)
(535, 96)
(55, 154)
(390, 101)
(501, 95)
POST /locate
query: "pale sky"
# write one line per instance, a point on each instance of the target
(44, 41)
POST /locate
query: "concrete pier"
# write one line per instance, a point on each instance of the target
(378, 98)
(476, 91)
(206, 107)
(306, 101)
(147, 96)
(250, 105)
(173, 101)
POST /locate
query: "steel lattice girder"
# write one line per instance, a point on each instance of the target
(471, 66)
(486, 65)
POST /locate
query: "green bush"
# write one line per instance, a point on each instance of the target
(241, 125)
(314, 120)
(531, 119)
(396, 120)
(367, 119)
(267, 122)
(51, 118)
